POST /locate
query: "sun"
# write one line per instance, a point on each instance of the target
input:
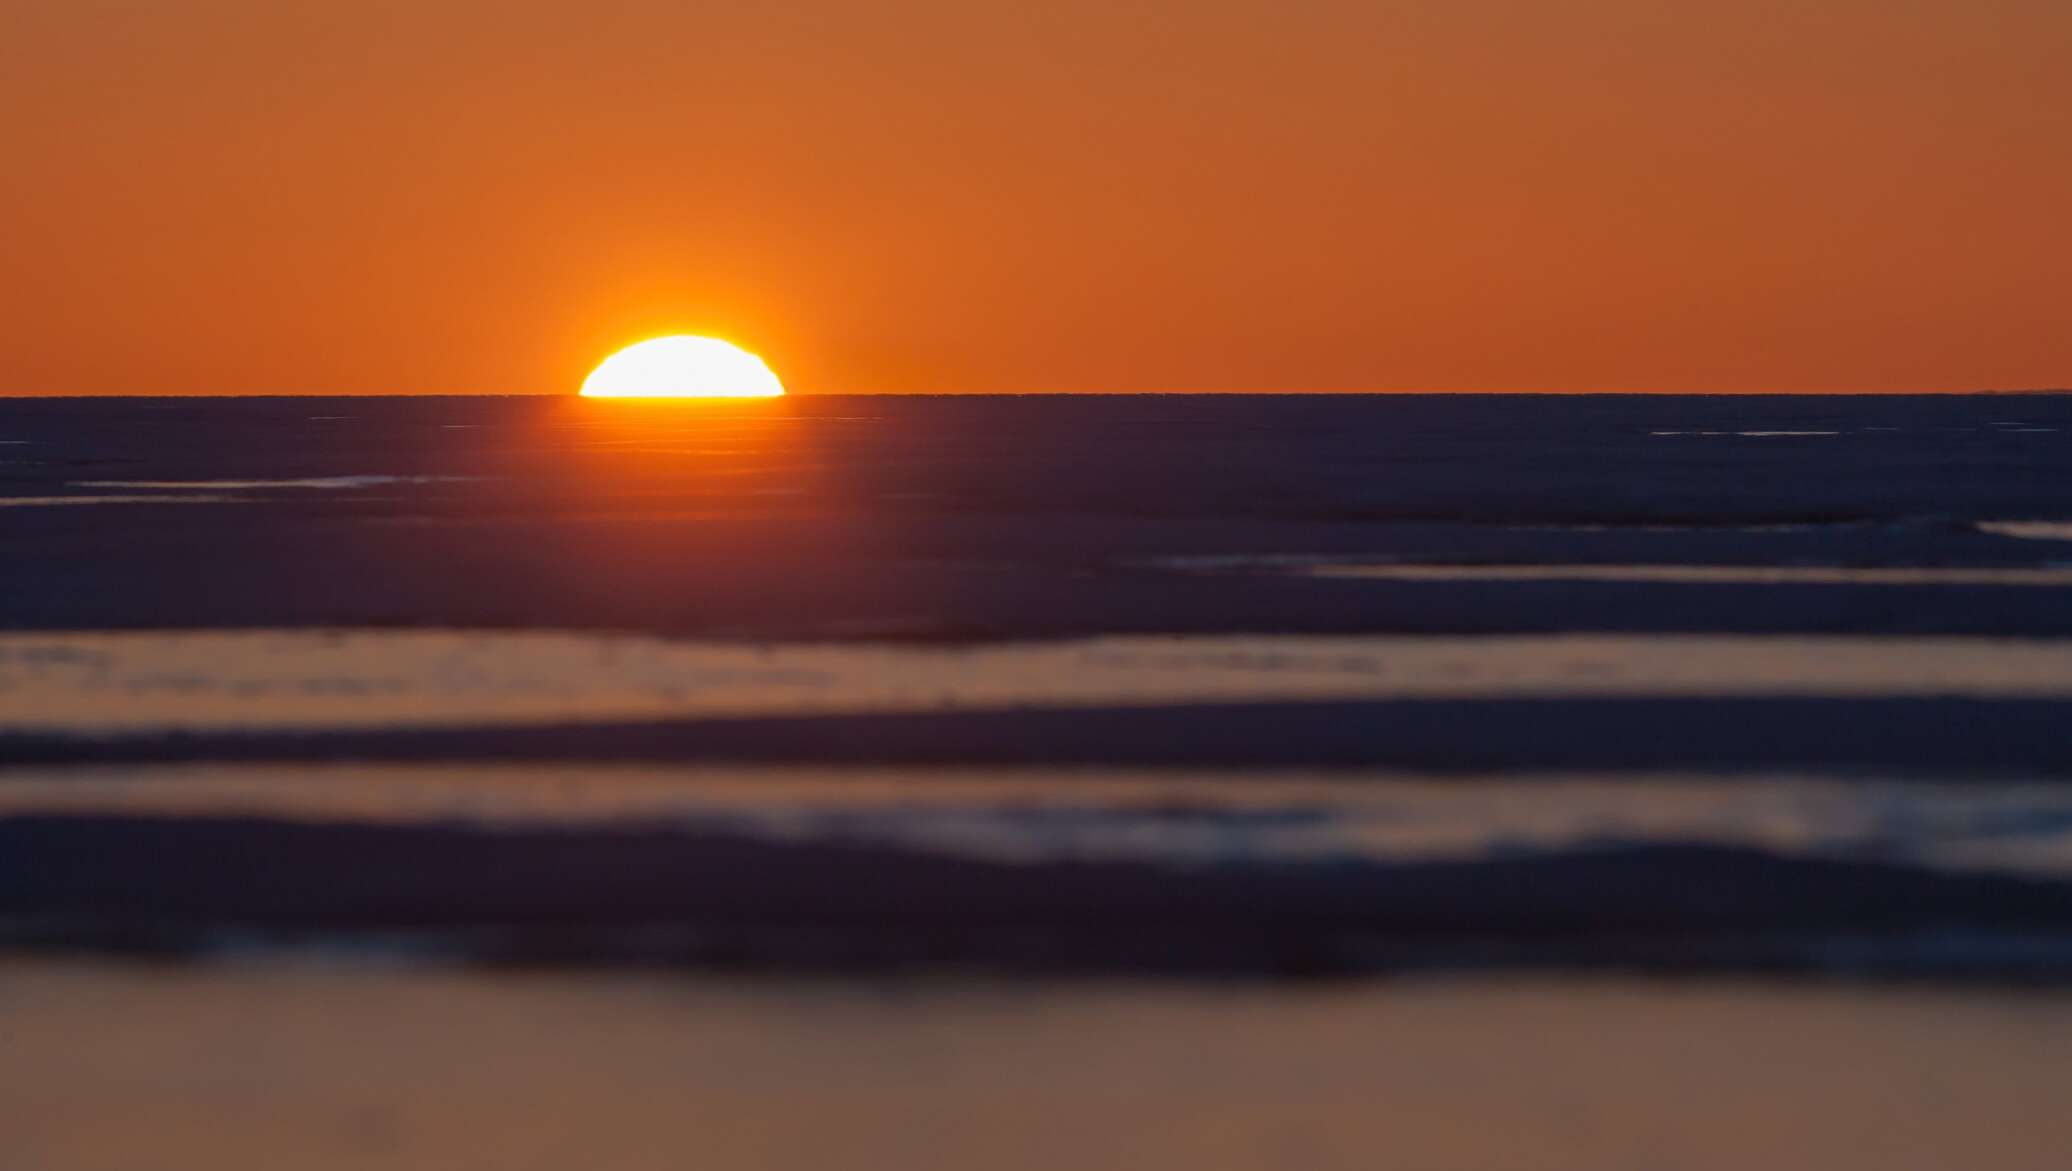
(682, 366)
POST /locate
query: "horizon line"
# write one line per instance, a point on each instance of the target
(1290, 393)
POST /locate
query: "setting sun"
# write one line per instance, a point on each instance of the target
(682, 367)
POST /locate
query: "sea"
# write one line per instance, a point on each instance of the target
(1252, 687)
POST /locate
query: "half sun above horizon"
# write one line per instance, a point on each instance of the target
(682, 366)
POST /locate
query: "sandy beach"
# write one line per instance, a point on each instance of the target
(322, 1067)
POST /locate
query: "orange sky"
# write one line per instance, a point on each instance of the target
(447, 195)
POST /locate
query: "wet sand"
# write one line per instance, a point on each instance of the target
(112, 1068)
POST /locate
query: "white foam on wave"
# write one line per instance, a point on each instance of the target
(319, 482)
(1806, 527)
(2029, 530)
(2052, 576)
(114, 682)
(1362, 568)
(73, 501)
(1178, 816)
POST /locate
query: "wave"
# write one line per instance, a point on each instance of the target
(1037, 871)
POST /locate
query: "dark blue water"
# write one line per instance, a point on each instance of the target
(1895, 821)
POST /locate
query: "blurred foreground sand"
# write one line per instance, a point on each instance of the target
(107, 1066)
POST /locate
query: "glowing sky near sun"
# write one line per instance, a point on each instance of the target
(442, 195)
